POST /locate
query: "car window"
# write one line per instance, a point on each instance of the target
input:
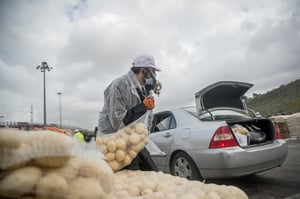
(163, 122)
(173, 123)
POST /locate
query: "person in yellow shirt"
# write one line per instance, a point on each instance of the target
(78, 136)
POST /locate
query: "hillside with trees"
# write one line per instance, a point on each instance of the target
(282, 100)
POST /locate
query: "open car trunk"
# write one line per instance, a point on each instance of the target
(253, 131)
(222, 94)
(229, 95)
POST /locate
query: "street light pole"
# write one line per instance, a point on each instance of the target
(59, 94)
(1, 117)
(43, 69)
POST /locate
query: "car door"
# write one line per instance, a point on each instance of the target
(162, 134)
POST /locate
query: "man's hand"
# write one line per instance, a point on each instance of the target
(149, 102)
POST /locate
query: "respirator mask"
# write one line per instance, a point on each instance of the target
(151, 83)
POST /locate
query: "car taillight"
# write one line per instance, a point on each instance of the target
(277, 131)
(223, 138)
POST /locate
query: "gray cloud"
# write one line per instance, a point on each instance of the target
(89, 43)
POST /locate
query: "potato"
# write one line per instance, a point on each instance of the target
(137, 147)
(82, 188)
(127, 160)
(121, 144)
(69, 171)
(147, 185)
(119, 186)
(236, 192)
(120, 155)
(139, 127)
(111, 146)
(10, 138)
(127, 130)
(134, 191)
(125, 137)
(53, 162)
(15, 157)
(161, 186)
(20, 182)
(146, 191)
(110, 156)
(121, 194)
(98, 170)
(104, 149)
(213, 195)
(51, 186)
(132, 154)
(171, 196)
(99, 141)
(196, 190)
(158, 195)
(188, 196)
(114, 165)
(134, 138)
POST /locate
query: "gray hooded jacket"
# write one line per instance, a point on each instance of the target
(119, 97)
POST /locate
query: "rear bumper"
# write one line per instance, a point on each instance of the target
(236, 161)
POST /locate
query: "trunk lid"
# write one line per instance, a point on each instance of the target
(222, 94)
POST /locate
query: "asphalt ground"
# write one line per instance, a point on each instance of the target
(280, 182)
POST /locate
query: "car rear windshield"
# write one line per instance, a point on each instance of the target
(217, 115)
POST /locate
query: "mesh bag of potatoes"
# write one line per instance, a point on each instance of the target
(46, 165)
(121, 147)
(157, 185)
(44, 148)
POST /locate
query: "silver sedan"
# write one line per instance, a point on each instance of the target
(217, 138)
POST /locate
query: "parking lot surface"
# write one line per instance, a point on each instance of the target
(280, 182)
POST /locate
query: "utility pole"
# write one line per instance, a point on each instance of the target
(1, 118)
(59, 94)
(31, 113)
(43, 69)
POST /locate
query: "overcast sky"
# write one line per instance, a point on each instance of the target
(90, 42)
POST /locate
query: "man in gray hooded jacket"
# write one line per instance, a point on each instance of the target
(126, 99)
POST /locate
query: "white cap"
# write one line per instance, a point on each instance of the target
(145, 61)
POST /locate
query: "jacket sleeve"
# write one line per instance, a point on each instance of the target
(116, 107)
(134, 113)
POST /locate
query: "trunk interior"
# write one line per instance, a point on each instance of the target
(253, 132)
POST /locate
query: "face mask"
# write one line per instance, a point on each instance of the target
(153, 85)
(150, 81)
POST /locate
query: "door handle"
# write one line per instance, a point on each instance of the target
(167, 135)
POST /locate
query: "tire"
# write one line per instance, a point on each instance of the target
(182, 165)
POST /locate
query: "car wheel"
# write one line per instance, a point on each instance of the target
(182, 165)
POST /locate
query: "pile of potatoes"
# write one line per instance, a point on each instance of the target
(157, 185)
(27, 171)
(123, 146)
(47, 165)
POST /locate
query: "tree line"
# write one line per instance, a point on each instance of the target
(282, 100)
